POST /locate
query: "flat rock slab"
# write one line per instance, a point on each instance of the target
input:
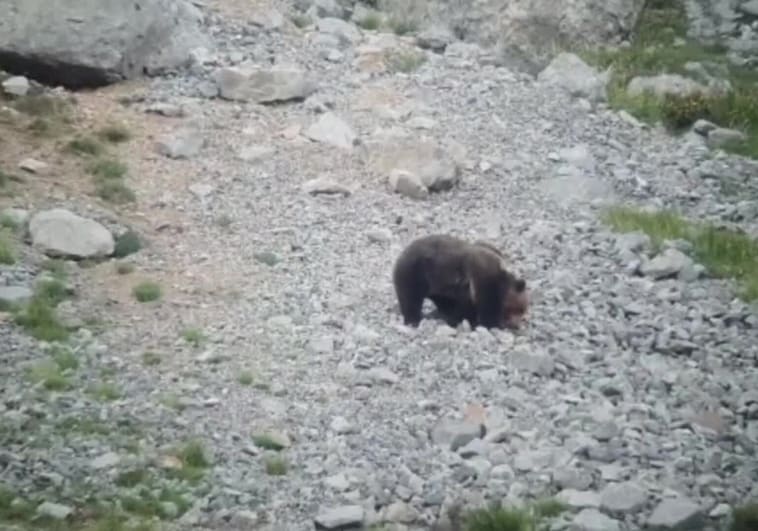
(61, 233)
(264, 85)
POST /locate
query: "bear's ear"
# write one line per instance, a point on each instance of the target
(519, 285)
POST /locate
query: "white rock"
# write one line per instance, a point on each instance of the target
(16, 86)
(58, 232)
(568, 71)
(407, 184)
(333, 130)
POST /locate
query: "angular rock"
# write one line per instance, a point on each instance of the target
(325, 185)
(537, 363)
(33, 165)
(722, 136)
(346, 32)
(343, 517)
(401, 513)
(579, 79)
(10, 295)
(622, 498)
(407, 184)
(277, 84)
(663, 84)
(182, 144)
(16, 85)
(54, 510)
(676, 514)
(332, 130)
(61, 233)
(436, 169)
(669, 263)
(108, 460)
(267, 18)
(579, 499)
(435, 38)
(593, 520)
(454, 434)
(91, 43)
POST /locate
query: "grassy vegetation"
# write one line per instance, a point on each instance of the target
(267, 442)
(301, 21)
(85, 145)
(405, 62)
(499, 518)
(50, 375)
(147, 291)
(114, 133)
(402, 25)
(105, 392)
(126, 244)
(661, 46)
(150, 359)
(724, 253)
(276, 466)
(193, 336)
(245, 378)
(38, 316)
(7, 256)
(108, 176)
(744, 517)
(372, 21)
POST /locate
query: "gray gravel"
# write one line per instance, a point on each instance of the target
(632, 399)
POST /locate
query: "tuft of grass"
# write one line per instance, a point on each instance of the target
(245, 378)
(124, 268)
(41, 105)
(500, 519)
(114, 133)
(402, 25)
(105, 392)
(65, 358)
(85, 145)
(372, 21)
(193, 336)
(744, 517)
(126, 244)
(549, 508)
(132, 478)
(7, 255)
(40, 321)
(147, 291)
(114, 191)
(108, 169)
(51, 291)
(267, 442)
(301, 21)
(56, 267)
(193, 454)
(7, 222)
(150, 359)
(723, 252)
(405, 62)
(653, 52)
(276, 466)
(50, 375)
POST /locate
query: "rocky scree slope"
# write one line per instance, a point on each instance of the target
(629, 398)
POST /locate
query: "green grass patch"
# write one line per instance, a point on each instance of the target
(39, 320)
(402, 25)
(51, 291)
(372, 21)
(105, 392)
(85, 145)
(126, 244)
(57, 268)
(114, 133)
(50, 375)
(114, 191)
(151, 359)
(725, 253)
(276, 466)
(744, 517)
(108, 169)
(147, 291)
(245, 378)
(301, 21)
(64, 358)
(8, 222)
(7, 256)
(267, 442)
(193, 336)
(405, 62)
(655, 50)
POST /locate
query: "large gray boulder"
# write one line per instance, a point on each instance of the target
(60, 233)
(90, 43)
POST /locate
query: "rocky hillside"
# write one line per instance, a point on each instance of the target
(198, 328)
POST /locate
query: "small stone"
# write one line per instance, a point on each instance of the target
(579, 499)
(11, 295)
(54, 510)
(593, 520)
(622, 498)
(454, 434)
(722, 136)
(382, 375)
(166, 109)
(325, 185)
(33, 165)
(401, 513)
(407, 184)
(669, 263)
(342, 426)
(703, 127)
(332, 130)
(108, 460)
(244, 519)
(182, 144)
(474, 448)
(201, 191)
(537, 363)
(676, 514)
(16, 86)
(342, 517)
(379, 235)
(337, 482)
(720, 511)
